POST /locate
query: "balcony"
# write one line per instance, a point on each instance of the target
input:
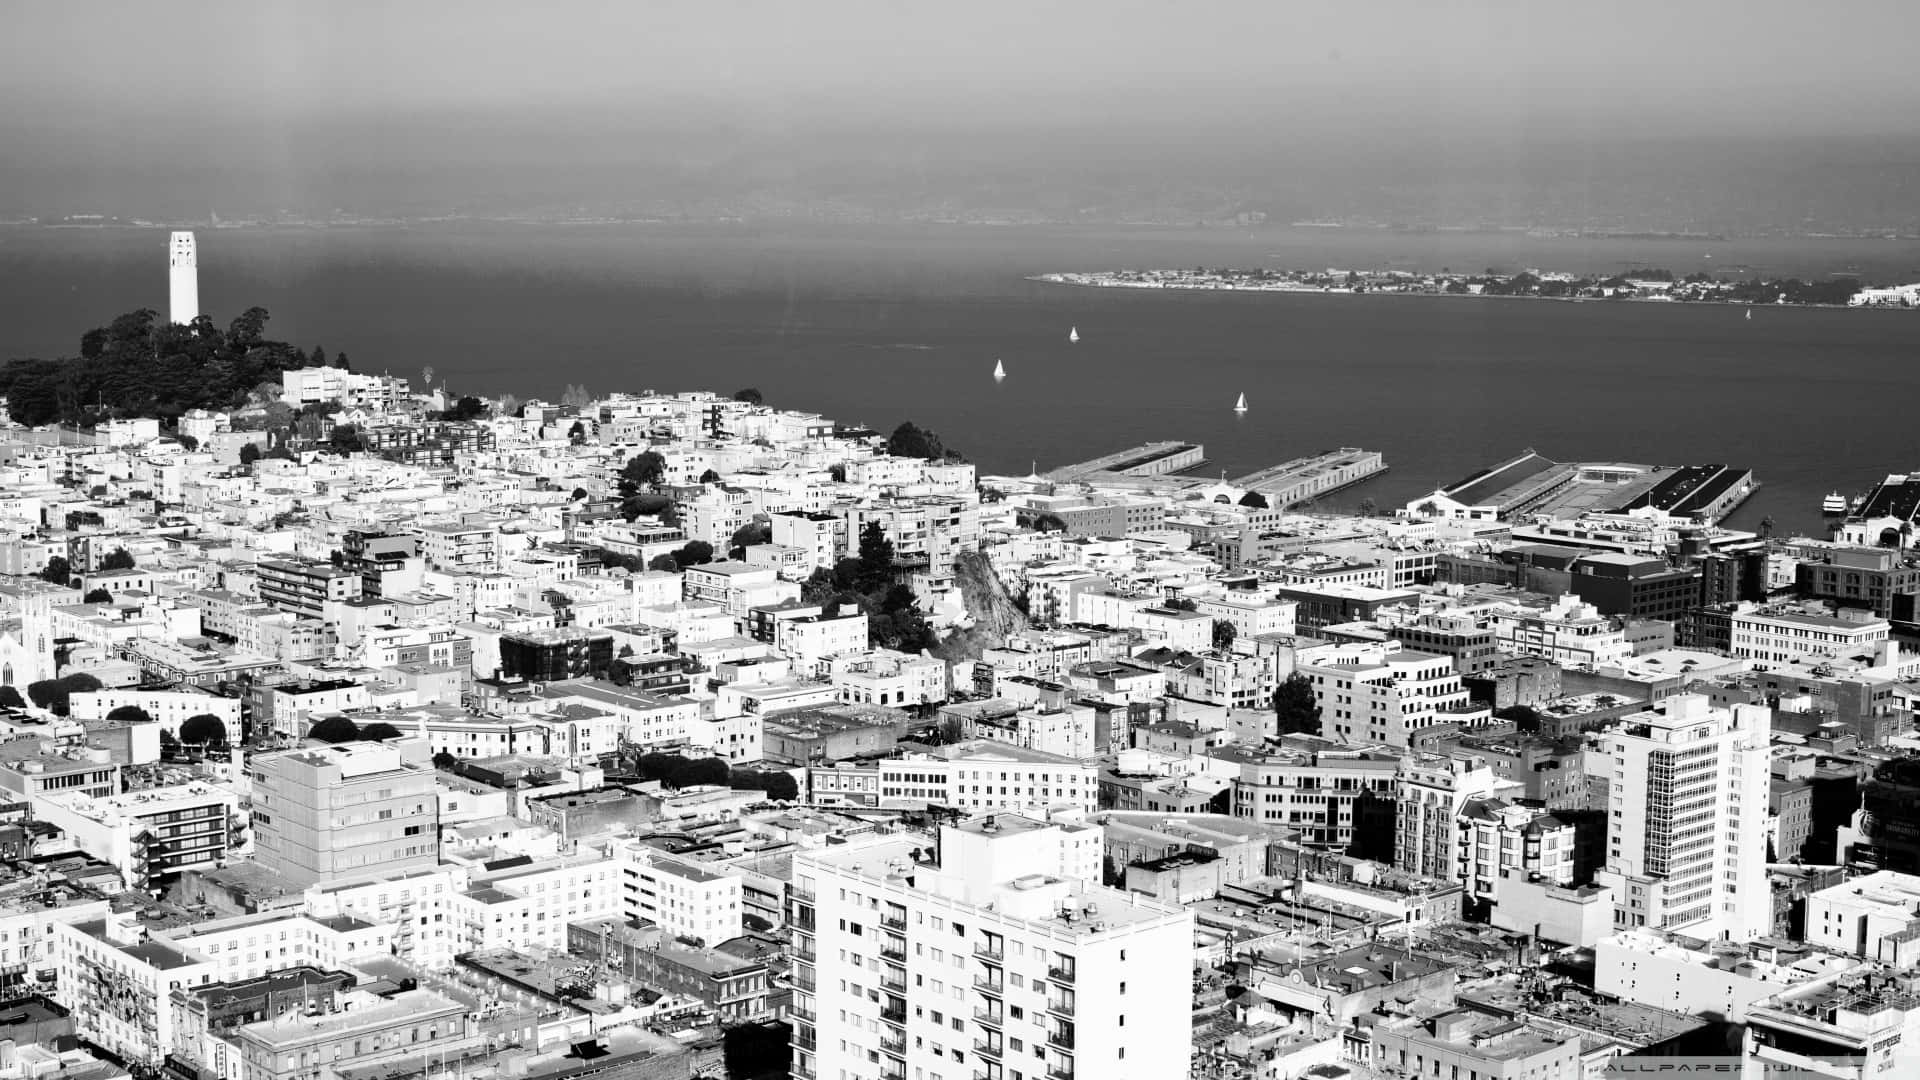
(988, 1049)
(896, 1017)
(1061, 975)
(894, 922)
(992, 953)
(804, 1039)
(893, 1074)
(989, 1017)
(989, 984)
(895, 953)
(803, 1070)
(1061, 1037)
(803, 1014)
(893, 984)
(1059, 1072)
(896, 1046)
(1060, 1006)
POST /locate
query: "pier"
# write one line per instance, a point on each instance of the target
(1312, 477)
(1172, 466)
(1149, 460)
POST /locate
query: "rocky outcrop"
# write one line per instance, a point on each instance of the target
(990, 617)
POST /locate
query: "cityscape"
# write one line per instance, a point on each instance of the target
(862, 541)
(361, 727)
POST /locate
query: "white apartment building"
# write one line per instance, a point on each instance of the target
(976, 776)
(1430, 794)
(1371, 693)
(249, 946)
(530, 905)
(810, 639)
(881, 677)
(1063, 731)
(1710, 980)
(684, 899)
(117, 984)
(1502, 841)
(1570, 632)
(169, 708)
(417, 904)
(737, 586)
(1251, 614)
(1776, 635)
(818, 535)
(1876, 917)
(154, 835)
(984, 955)
(460, 547)
(1687, 819)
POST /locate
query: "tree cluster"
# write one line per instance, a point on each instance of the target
(912, 441)
(868, 584)
(676, 771)
(138, 365)
(341, 729)
(54, 693)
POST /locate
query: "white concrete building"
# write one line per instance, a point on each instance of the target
(683, 898)
(1373, 693)
(530, 904)
(169, 708)
(1687, 819)
(976, 776)
(1710, 980)
(150, 836)
(417, 904)
(1777, 634)
(985, 954)
(1430, 795)
(1876, 917)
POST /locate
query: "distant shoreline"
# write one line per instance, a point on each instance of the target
(1284, 287)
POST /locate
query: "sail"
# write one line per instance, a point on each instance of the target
(999, 370)
(1073, 334)
(1241, 405)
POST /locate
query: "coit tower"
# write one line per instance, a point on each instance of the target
(183, 280)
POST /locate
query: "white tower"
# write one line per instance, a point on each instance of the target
(183, 280)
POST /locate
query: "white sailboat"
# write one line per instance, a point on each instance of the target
(1241, 405)
(1749, 314)
(999, 370)
(1073, 334)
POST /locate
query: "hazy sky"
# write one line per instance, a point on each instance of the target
(165, 91)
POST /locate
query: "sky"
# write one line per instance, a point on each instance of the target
(116, 99)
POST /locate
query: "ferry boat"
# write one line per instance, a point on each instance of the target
(1834, 505)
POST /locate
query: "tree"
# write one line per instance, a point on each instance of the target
(129, 714)
(750, 396)
(1224, 633)
(379, 732)
(97, 596)
(1254, 500)
(643, 470)
(659, 506)
(709, 477)
(57, 571)
(876, 558)
(694, 553)
(1429, 509)
(1049, 522)
(204, 729)
(467, 408)
(1181, 603)
(577, 434)
(117, 559)
(346, 439)
(444, 760)
(10, 698)
(752, 534)
(249, 453)
(187, 442)
(1524, 718)
(911, 441)
(1296, 707)
(53, 694)
(334, 729)
(665, 563)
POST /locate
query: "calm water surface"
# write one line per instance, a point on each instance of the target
(884, 324)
